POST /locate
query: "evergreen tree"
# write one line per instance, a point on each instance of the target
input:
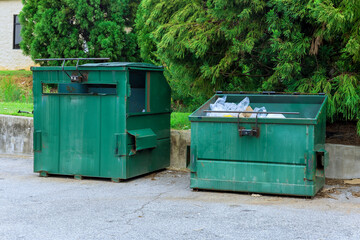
(83, 28)
(304, 46)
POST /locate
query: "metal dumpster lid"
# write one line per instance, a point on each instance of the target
(122, 64)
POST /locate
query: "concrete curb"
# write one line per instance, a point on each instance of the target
(16, 139)
(344, 161)
(179, 142)
(16, 135)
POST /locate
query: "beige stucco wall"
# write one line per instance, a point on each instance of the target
(10, 59)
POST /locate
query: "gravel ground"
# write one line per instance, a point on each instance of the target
(162, 206)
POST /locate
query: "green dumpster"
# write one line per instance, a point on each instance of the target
(260, 154)
(108, 120)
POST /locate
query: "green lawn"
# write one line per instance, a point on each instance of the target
(179, 121)
(17, 73)
(12, 108)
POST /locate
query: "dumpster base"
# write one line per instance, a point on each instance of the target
(265, 188)
(254, 178)
(82, 177)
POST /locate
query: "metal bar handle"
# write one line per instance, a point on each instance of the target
(70, 59)
(72, 78)
(293, 113)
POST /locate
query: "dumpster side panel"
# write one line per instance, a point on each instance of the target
(149, 160)
(159, 123)
(152, 159)
(320, 129)
(321, 157)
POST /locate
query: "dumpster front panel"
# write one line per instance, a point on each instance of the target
(78, 157)
(79, 129)
(46, 123)
(275, 143)
(284, 158)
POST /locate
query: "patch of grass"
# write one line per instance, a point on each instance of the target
(12, 108)
(17, 73)
(180, 121)
(16, 86)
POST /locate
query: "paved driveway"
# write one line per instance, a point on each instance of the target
(161, 206)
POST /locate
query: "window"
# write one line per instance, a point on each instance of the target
(17, 29)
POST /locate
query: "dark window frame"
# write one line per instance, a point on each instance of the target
(16, 24)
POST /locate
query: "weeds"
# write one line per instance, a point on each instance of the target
(16, 86)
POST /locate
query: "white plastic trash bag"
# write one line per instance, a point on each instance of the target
(243, 104)
(221, 105)
(217, 106)
(262, 109)
(275, 116)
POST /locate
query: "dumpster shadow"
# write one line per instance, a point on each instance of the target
(151, 176)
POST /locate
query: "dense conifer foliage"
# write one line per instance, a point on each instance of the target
(304, 46)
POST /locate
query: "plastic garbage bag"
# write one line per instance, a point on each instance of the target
(220, 101)
(243, 104)
(221, 105)
(217, 106)
(275, 116)
(262, 109)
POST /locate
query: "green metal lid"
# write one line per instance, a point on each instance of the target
(122, 64)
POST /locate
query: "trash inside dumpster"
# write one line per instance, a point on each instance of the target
(109, 120)
(221, 108)
(278, 149)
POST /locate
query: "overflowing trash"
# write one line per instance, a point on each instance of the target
(243, 106)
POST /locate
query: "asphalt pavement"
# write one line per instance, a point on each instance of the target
(162, 206)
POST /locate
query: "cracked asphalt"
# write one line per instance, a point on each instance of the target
(161, 206)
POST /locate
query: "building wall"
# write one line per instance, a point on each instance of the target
(10, 59)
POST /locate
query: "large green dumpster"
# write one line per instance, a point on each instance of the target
(109, 120)
(263, 155)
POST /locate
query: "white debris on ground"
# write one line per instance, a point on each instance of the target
(221, 105)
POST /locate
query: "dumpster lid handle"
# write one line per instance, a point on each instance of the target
(71, 59)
